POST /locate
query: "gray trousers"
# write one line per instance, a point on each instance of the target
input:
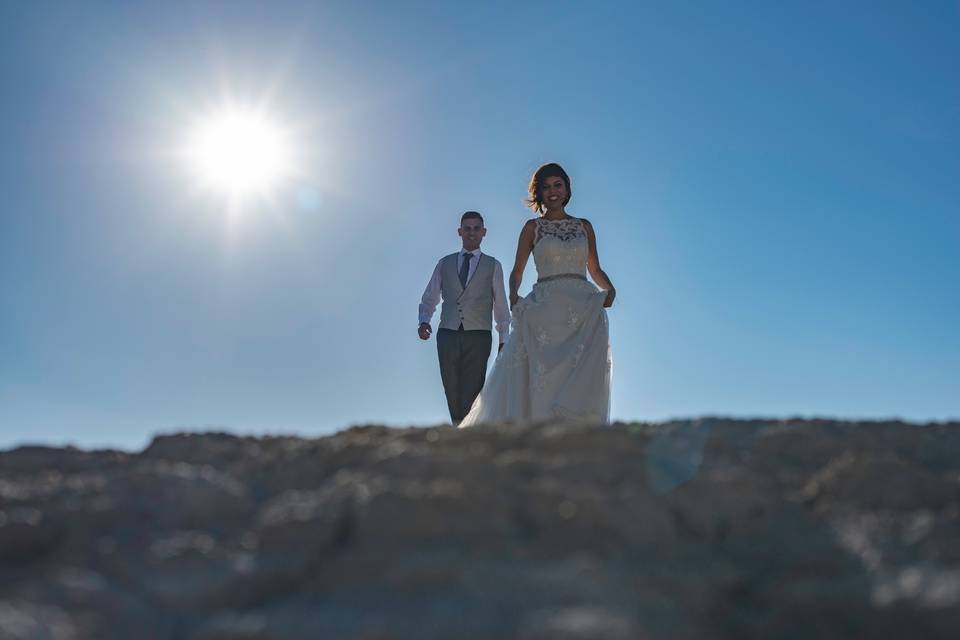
(463, 367)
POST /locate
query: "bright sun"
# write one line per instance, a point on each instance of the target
(241, 154)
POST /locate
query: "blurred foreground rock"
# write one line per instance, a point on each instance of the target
(686, 530)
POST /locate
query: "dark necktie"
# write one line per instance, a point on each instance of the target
(465, 269)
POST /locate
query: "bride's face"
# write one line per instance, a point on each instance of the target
(553, 193)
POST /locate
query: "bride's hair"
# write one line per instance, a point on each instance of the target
(549, 170)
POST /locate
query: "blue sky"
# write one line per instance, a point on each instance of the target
(774, 187)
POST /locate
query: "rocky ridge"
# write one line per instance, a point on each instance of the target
(697, 529)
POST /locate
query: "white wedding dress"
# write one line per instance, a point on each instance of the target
(556, 362)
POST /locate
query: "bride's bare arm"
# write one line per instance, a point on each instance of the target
(593, 266)
(524, 247)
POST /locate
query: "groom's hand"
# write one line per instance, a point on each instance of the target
(424, 331)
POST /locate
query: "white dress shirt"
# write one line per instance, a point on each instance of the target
(501, 312)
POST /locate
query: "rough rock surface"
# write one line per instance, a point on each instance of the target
(686, 530)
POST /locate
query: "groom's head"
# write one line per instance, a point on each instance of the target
(471, 230)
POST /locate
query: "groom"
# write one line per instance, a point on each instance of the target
(471, 286)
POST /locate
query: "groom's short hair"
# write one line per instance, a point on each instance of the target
(471, 214)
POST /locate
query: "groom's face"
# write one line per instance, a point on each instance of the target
(471, 231)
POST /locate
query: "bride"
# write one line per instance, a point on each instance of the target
(556, 362)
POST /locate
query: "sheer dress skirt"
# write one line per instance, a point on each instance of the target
(556, 362)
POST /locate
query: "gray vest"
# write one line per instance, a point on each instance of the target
(472, 306)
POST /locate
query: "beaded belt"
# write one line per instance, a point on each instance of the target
(560, 276)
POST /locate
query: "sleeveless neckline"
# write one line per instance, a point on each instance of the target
(564, 230)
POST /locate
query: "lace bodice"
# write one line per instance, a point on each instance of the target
(560, 246)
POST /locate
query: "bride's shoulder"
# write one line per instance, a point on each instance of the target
(587, 227)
